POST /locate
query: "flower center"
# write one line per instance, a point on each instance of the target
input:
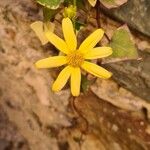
(75, 59)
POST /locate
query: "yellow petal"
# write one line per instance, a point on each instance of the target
(96, 70)
(92, 2)
(69, 34)
(91, 41)
(98, 52)
(62, 79)
(37, 27)
(51, 62)
(75, 81)
(57, 42)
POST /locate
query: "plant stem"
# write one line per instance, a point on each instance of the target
(74, 3)
(73, 105)
(98, 14)
(98, 18)
(73, 20)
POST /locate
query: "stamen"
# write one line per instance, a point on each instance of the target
(75, 59)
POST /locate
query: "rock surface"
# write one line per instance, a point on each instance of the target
(115, 129)
(136, 13)
(134, 75)
(115, 119)
(131, 74)
(10, 138)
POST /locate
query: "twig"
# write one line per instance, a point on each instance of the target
(98, 14)
(107, 37)
(98, 18)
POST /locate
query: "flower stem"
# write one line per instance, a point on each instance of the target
(74, 2)
(98, 18)
(98, 15)
(74, 20)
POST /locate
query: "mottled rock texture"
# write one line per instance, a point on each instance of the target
(107, 117)
(136, 13)
(132, 74)
(10, 138)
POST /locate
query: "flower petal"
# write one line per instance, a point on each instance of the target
(92, 2)
(96, 70)
(75, 81)
(62, 79)
(98, 52)
(51, 62)
(49, 27)
(69, 34)
(37, 27)
(57, 42)
(91, 40)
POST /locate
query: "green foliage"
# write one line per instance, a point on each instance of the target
(85, 83)
(48, 14)
(78, 25)
(123, 45)
(121, 42)
(52, 4)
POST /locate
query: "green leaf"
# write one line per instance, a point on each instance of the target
(79, 25)
(122, 45)
(84, 84)
(80, 4)
(112, 3)
(48, 14)
(52, 4)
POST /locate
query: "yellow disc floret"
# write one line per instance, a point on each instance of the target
(75, 59)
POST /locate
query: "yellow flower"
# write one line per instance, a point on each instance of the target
(70, 12)
(74, 58)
